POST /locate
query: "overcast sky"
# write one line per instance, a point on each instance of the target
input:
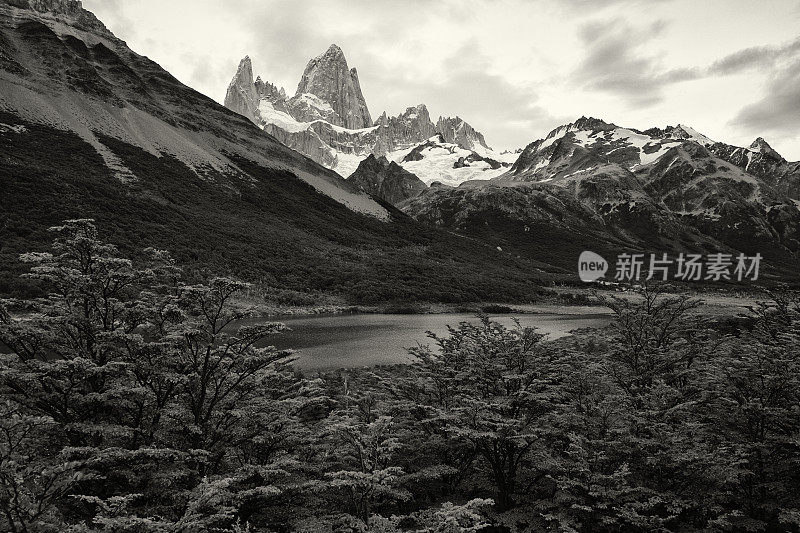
(513, 69)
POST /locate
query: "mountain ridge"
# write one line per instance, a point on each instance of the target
(661, 189)
(310, 122)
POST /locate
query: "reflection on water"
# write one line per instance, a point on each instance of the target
(325, 342)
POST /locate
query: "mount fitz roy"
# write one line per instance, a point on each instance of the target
(328, 120)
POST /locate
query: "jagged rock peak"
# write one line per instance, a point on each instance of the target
(374, 162)
(457, 131)
(245, 69)
(593, 124)
(328, 77)
(582, 124)
(241, 95)
(762, 146)
(684, 132)
(265, 89)
(333, 50)
(419, 108)
(418, 112)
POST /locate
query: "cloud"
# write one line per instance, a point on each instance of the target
(777, 112)
(504, 111)
(615, 63)
(114, 17)
(757, 57)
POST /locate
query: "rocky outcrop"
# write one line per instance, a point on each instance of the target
(417, 153)
(761, 160)
(406, 129)
(456, 131)
(328, 78)
(71, 10)
(241, 95)
(472, 158)
(386, 179)
(267, 91)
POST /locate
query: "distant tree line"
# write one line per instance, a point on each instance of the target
(133, 401)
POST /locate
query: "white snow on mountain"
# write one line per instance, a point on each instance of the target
(694, 135)
(438, 161)
(650, 149)
(556, 134)
(312, 100)
(503, 156)
(346, 164)
(283, 120)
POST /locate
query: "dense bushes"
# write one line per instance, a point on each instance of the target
(132, 402)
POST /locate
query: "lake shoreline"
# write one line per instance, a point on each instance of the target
(563, 302)
(371, 339)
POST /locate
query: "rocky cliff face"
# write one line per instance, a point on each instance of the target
(456, 131)
(406, 129)
(328, 78)
(71, 10)
(241, 95)
(386, 179)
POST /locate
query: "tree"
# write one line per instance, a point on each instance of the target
(31, 485)
(138, 390)
(755, 400)
(492, 388)
(361, 470)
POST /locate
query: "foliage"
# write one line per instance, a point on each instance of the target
(137, 400)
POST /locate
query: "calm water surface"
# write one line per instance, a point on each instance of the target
(325, 342)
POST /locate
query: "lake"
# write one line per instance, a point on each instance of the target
(358, 340)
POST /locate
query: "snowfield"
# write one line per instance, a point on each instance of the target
(438, 160)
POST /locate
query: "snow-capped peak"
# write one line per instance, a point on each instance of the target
(684, 132)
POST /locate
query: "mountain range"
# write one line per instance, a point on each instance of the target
(594, 185)
(255, 188)
(328, 119)
(589, 182)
